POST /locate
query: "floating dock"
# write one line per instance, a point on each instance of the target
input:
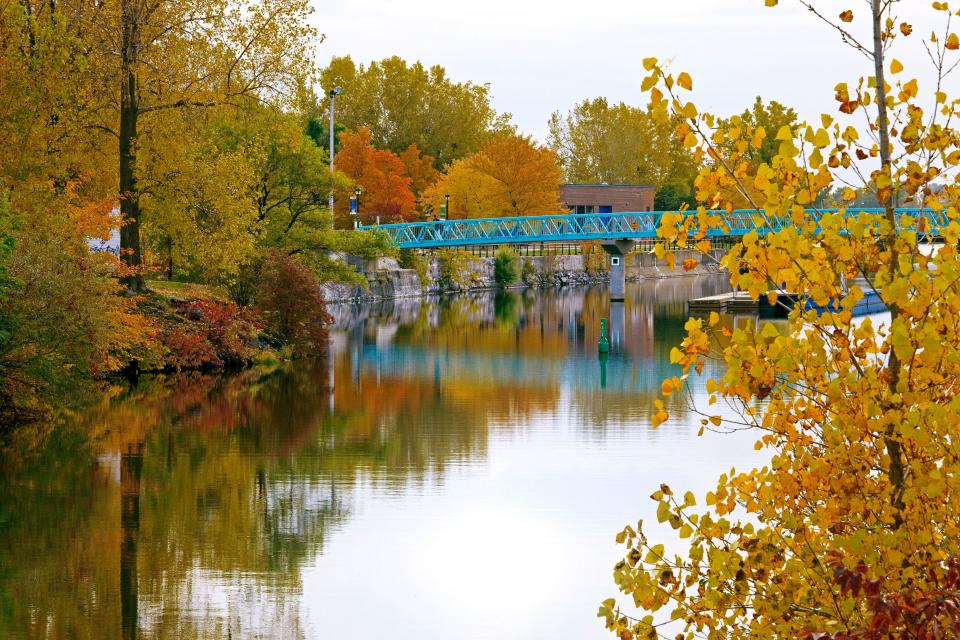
(739, 303)
(735, 302)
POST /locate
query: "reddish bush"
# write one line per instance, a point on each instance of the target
(931, 612)
(214, 334)
(190, 350)
(290, 305)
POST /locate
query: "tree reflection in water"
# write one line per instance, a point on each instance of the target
(186, 507)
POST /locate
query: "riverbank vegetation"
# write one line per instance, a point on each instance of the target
(851, 530)
(216, 182)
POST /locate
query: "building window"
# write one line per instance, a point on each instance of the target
(614, 261)
(583, 208)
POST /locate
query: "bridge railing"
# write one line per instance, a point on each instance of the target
(597, 226)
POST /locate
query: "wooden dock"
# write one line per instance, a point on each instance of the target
(739, 303)
(733, 302)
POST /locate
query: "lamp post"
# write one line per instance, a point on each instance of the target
(356, 194)
(333, 94)
(446, 209)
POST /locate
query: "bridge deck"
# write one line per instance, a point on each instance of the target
(596, 226)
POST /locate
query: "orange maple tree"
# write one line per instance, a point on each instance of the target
(419, 168)
(382, 175)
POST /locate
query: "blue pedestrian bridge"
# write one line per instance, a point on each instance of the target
(600, 226)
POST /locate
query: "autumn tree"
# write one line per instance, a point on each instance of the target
(771, 116)
(619, 144)
(291, 175)
(420, 169)
(509, 176)
(200, 219)
(159, 55)
(403, 104)
(850, 530)
(382, 176)
(50, 114)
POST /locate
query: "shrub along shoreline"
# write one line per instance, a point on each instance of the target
(198, 327)
(173, 327)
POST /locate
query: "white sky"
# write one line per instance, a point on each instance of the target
(545, 55)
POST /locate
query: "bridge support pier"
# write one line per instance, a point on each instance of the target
(617, 250)
(617, 317)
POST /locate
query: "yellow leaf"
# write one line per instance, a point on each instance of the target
(715, 420)
(770, 3)
(714, 318)
(909, 90)
(666, 387)
(769, 330)
(659, 418)
(685, 81)
(821, 139)
(649, 63)
(953, 43)
(896, 66)
(784, 133)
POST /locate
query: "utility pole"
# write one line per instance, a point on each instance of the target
(333, 94)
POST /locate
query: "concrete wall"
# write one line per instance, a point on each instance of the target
(387, 281)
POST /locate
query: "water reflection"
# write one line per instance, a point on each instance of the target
(443, 440)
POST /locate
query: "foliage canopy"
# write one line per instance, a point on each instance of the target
(851, 530)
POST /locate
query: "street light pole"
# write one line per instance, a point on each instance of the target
(447, 205)
(333, 94)
(358, 220)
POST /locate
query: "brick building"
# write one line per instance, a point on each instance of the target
(607, 198)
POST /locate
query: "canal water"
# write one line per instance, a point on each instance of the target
(456, 469)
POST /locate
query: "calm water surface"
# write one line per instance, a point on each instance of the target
(456, 469)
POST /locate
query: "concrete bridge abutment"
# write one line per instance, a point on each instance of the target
(617, 250)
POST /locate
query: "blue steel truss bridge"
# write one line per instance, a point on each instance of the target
(605, 226)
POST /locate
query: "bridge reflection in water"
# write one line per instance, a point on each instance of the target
(542, 339)
(267, 505)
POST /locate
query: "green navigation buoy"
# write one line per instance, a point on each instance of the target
(604, 345)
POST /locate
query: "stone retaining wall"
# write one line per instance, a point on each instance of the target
(388, 281)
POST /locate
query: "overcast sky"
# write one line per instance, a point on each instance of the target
(540, 56)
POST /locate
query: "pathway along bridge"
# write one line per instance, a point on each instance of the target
(615, 231)
(593, 226)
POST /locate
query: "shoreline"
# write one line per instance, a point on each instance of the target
(388, 281)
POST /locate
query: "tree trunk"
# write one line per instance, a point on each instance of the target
(129, 112)
(131, 465)
(895, 469)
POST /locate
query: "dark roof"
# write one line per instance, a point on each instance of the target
(605, 184)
